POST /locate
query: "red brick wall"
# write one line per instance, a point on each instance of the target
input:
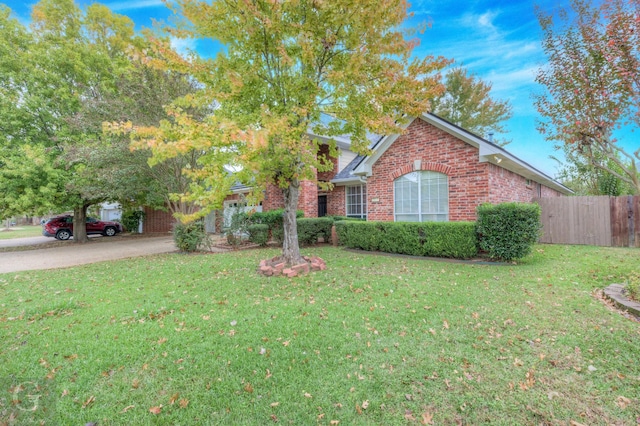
(336, 202)
(157, 221)
(438, 151)
(471, 183)
(506, 186)
(308, 201)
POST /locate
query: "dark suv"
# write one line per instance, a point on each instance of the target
(61, 227)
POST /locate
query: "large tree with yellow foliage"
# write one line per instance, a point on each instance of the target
(282, 65)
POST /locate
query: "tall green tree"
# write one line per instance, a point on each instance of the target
(141, 96)
(593, 84)
(286, 63)
(467, 102)
(67, 60)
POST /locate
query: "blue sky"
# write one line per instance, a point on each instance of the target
(499, 41)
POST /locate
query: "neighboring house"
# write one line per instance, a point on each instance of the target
(434, 171)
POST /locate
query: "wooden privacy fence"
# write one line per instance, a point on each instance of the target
(601, 221)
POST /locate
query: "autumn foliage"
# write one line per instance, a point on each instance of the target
(593, 83)
(285, 68)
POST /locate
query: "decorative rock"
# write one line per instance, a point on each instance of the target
(301, 268)
(276, 267)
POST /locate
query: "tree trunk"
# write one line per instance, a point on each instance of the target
(290, 247)
(80, 224)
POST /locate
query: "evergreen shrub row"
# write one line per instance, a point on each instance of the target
(437, 239)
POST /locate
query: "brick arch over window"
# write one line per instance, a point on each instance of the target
(424, 166)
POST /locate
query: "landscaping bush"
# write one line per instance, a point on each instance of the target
(437, 239)
(237, 230)
(633, 286)
(131, 219)
(258, 233)
(508, 231)
(337, 218)
(360, 235)
(190, 237)
(310, 229)
(273, 219)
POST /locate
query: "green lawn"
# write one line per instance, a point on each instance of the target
(201, 339)
(20, 232)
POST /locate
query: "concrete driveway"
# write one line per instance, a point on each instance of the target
(70, 254)
(26, 241)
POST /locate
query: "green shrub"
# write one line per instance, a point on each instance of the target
(337, 218)
(359, 235)
(633, 286)
(190, 237)
(273, 219)
(131, 220)
(312, 228)
(437, 239)
(258, 233)
(450, 239)
(508, 231)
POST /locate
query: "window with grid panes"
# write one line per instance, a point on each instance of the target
(421, 197)
(357, 201)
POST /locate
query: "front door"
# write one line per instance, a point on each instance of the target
(322, 205)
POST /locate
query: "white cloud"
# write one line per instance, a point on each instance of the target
(486, 20)
(136, 4)
(183, 45)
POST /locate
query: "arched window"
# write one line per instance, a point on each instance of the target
(421, 197)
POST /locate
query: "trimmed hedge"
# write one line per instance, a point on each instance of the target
(311, 228)
(508, 231)
(437, 239)
(258, 233)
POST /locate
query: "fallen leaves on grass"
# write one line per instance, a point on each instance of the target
(156, 410)
(427, 418)
(623, 402)
(127, 408)
(89, 401)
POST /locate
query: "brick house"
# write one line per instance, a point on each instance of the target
(434, 171)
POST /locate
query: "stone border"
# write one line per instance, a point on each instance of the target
(616, 293)
(276, 267)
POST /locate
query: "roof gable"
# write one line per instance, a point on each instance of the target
(487, 152)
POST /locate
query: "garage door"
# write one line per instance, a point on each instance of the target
(231, 207)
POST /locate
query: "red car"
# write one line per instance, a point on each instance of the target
(61, 227)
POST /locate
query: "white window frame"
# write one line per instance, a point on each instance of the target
(441, 215)
(362, 203)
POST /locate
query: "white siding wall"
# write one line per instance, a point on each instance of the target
(345, 158)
